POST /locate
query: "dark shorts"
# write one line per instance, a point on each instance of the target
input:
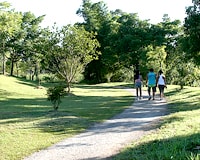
(138, 84)
(153, 88)
(161, 88)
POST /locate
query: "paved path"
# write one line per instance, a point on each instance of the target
(106, 139)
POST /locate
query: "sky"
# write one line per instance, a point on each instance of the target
(63, 12)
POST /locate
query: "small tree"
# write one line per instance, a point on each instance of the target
(54, 95)
(68, 51)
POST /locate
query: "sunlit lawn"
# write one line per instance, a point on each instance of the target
(178, 136)
(28, 124)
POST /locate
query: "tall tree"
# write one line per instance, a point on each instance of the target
(32, 35)
(192, 32)
(9, 24)
(96, 18)
(132, 39)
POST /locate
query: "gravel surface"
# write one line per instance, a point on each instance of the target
(104, 140)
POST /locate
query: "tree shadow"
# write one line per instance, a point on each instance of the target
(23, 108)
(26, 82)
(99, 86)
(179, 147)
(4, 93)
(75, 112)
(189, 102)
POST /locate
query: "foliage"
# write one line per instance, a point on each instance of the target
(69, 51)
(9, 25)
(23, 45)
(180, 70)
(192, 32)
(54, 95)
(97, 19)
(123, 39)
(156, 57)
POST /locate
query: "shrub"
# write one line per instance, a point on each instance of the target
(54, 95)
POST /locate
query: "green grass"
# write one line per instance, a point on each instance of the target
(28, 122)
(178, 136)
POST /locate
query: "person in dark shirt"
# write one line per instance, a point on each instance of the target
(138, 84)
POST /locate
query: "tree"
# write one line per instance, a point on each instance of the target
(156, 57)
(9, 25)
(72, 48)
(24, 44)
(97, 19)
(31, 42)
(132, 39)
(182, 71)
(192, 32)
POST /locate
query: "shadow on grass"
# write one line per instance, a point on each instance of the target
(75, 112)
(180, 147)
(187, 101)
(34, 83)
(23, 108)
(177, 147)
(4, 93)
(99, 86)
(27, 82)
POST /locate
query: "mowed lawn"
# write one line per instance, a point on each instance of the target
(28, 122)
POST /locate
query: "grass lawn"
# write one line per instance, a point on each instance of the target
(178, 136)
(28, 124)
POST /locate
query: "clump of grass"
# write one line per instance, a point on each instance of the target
(178, 136)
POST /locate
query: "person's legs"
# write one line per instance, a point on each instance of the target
(153, 95)
(163, 91)
(136, 91)
(140, 89)
(149, 92)
(154, 91)
(161, 88)
(160, 91)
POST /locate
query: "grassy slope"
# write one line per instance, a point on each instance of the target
(178, 136)
(28, 124)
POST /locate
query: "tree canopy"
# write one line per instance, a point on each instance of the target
(106, 46)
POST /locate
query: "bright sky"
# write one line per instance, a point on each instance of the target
(63, 12)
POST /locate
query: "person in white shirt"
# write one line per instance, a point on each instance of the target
(161, 83)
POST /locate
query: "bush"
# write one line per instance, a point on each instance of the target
(54, 95)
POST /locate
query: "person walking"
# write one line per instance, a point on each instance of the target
(138, 84)
(151, 83)
(161, 83)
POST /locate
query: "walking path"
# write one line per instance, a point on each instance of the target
(107, 139)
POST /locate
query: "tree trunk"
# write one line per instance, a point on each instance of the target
(30, 74)
(17, 69)
(12, 68)
(37, 71)
(4, 59)
(68, 87)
